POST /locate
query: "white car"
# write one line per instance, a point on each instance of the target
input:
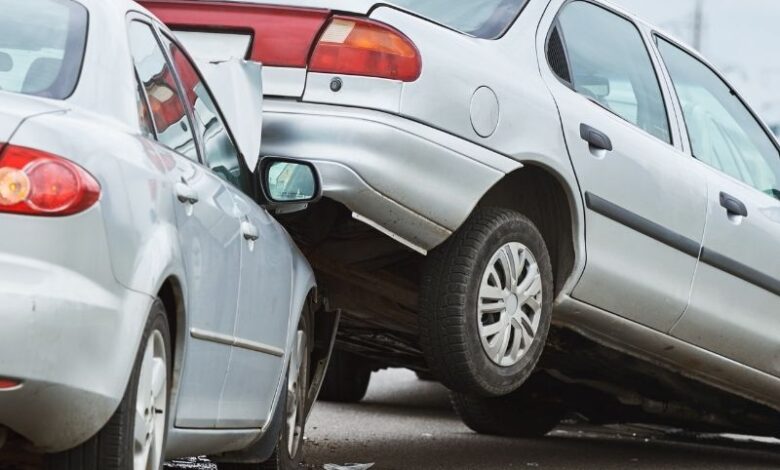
(150, 308)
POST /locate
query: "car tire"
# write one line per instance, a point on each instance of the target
(346, 380)
(113, 448)
(521, 414)
(464, 286)
(289, 450)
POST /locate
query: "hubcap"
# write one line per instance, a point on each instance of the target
(151, 406)
(510, 304)
(297, 388)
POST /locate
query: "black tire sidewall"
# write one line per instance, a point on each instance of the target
(473, 372)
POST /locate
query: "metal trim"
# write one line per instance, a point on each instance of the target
(228, 340)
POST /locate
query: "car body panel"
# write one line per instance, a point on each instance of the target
(102, 268)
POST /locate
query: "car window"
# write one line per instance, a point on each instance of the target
(42, 46)
(602, 56)
(220, 153)
(144, 113)
(722, 130)
(167, 107)
(486, 19)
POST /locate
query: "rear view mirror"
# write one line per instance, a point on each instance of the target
(598, 86)
(6, 62)
(289, 182)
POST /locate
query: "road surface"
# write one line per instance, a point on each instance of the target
(407, 424)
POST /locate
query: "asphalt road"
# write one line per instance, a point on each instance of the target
(406, 424)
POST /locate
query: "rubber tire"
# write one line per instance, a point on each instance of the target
(281, 459)
(112, 447)
(347, 379)
(451, 279)
(516, 415)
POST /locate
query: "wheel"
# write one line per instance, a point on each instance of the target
(346, 380)
(134, 438)
(288, 453)
(506, 416)
(486, 304)
(528, 412)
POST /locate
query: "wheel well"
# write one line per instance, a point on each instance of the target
(539, 195)
(172, 298)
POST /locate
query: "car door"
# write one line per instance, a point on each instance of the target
(263, 317)
(735, 304)
(208, 232)
(646, 204)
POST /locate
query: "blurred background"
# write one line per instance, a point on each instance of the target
(741, 37)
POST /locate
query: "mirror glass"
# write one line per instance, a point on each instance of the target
(290, 182)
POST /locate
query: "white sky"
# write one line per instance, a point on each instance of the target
(741, 37)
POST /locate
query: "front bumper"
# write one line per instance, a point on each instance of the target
(413, 182)
(68, 331)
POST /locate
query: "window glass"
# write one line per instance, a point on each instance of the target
(609, 63)
(167, 107)
(41, 46)
(723, 132)
(220, 153)
(144, 114)
(481, 18)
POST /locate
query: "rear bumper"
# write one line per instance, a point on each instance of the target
(415, 183)
(68, 331)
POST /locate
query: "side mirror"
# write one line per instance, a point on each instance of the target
(598, 86)
(289, 185)
(6, 62)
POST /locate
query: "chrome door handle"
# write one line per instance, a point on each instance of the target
(250, 231)
(185, 194)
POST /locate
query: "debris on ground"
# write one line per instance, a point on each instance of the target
(348, 466)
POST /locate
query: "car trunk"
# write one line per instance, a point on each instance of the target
(15, 108)
(277, 35)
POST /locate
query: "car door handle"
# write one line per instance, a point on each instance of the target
(595, 138)
(249, 231)
(185, 194)
(733, 205)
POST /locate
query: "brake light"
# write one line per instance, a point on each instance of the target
(33, 182)
(7, 384)
(353, 46)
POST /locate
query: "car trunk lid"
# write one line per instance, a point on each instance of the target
(16, 108)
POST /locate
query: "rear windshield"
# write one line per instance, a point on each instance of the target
(41, 46)
(486, 19)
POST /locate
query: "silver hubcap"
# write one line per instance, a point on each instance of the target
(151, 406)
(510, 304)
(297, 387)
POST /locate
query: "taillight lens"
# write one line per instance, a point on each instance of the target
(33, 182)
(7, 384)
(353, 46)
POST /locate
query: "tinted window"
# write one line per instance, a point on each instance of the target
(41, 46)
(609, 63)
(481, 18)
(167, 107)
(220, 153)
(723, 132)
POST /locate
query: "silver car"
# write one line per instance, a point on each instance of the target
(493, 168)
(149, 306)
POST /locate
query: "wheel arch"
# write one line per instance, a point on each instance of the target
(544, 196)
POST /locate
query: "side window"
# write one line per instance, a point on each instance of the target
(220, 153)
(144, 114)
(602, 56)
(167, 107)
(723, 132)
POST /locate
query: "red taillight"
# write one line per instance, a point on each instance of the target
(7, 384)
(33, 182)
(352, 46)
